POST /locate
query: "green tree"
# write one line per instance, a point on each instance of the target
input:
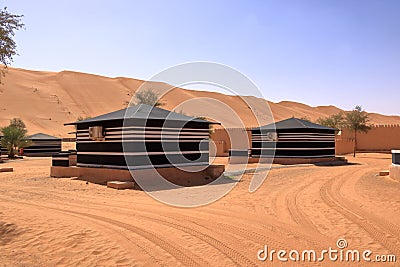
(14, 137)
(336, 121)
(17, 122)
(357, 121)
(9, 23)
(148, 97)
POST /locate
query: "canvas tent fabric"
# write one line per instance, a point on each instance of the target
(141, 137)
(293, 138)
(43, 145)
(2, 149)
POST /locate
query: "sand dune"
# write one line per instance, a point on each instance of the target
(47, 100)
(48, 221)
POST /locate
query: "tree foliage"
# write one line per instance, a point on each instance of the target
(9, 23)
(336, 121)
(14, 137)
(17, 122)
(81, 118)
(357, 120)
(148, 97)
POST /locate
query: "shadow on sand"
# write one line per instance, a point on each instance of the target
(327, 164)
(152, 186)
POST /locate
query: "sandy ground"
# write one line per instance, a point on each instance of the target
(47, 221)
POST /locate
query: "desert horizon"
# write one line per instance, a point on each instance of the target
(56, 98)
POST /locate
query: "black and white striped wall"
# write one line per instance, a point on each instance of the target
(43, 145)
(140, 144)
(293, 143)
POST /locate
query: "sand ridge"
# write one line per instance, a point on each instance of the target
(47, 100)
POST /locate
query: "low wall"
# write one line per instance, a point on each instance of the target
(381, 138)
(219, 146)
(344, 146)
(173, 175)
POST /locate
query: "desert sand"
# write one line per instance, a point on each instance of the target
(47, 100)
(48, 221)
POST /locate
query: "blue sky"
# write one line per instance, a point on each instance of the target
(316, 52)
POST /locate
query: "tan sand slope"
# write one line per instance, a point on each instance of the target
(47, 100)
(63, 222)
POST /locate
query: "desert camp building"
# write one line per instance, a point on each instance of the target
(293, 139)
(141, 137)
(43, 145)
(3, 150)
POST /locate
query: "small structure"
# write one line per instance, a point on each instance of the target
(138, 138)
(294, 141)
(395, 167)
(42, 145)
(3, 150)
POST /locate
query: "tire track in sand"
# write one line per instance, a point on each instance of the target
(219, 227)
(125, 242)
(186, 257)
(330, 195)
(299, 217)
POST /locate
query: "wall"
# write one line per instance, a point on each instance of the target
(222, 141)
(223, 137)
(344, 146)
(381, 138)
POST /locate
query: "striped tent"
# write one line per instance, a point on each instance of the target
(141, 137)
(43, 145)
(2, 149)
(293, 138)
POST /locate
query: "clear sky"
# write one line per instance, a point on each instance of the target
(317, 52)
